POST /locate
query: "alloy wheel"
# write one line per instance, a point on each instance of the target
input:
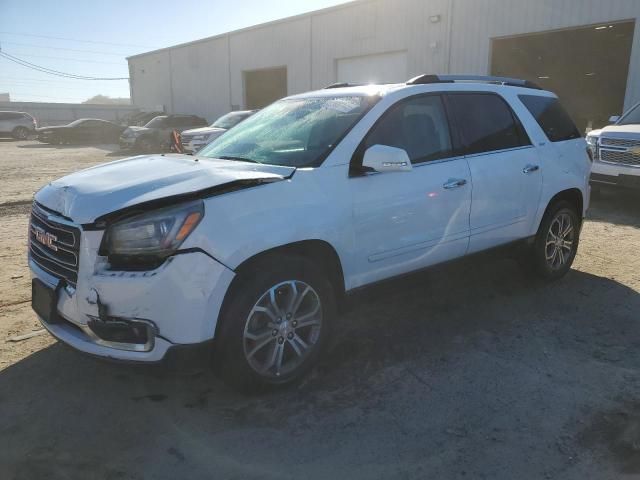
(560, 241)
(282, 329)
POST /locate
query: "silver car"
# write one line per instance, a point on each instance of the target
(18, 125)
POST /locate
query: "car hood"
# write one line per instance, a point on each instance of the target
(204, 131)
(137, 130)
(618, 131)
(49, 129)
(89, 195)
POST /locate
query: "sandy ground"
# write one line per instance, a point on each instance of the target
(471, 370)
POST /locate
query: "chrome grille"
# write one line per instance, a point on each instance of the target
(620, 151)
(54, 246)
(619, 142)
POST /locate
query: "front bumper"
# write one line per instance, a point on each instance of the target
(614, 175)
(180, 301)
(127, 143)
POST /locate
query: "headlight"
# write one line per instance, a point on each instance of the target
(592, 142)
(201, 138)
(151, 237)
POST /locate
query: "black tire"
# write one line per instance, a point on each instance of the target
(20, 133)
(554, 269)
(146, 145)
(230, 357)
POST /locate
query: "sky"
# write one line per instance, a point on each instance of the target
(93, 38)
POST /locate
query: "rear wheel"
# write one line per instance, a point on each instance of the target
(20, 133)
(275, 324)
(556, 242)
(147, 145)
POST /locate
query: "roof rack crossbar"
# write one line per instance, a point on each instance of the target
(511, 82)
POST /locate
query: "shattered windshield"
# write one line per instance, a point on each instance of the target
(297, 132)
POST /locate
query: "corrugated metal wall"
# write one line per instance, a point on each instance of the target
(438, 36)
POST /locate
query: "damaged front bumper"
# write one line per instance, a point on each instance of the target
(136, 316)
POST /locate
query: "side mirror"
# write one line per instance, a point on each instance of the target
(614, 119)
(384, 159)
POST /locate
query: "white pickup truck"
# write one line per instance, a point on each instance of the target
(616, 152)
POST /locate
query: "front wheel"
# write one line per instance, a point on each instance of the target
(21, 133)
(556, 242)
(275, 324)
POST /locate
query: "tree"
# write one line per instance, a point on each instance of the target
(105, 100)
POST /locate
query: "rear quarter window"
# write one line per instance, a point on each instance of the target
(552, 117)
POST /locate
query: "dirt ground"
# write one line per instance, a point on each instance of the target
(471, 370)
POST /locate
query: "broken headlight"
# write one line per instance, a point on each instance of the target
(151, 237)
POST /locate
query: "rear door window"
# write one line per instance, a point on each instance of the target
(486, 123)
(552, 117)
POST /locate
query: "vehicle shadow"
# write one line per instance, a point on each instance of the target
(436, 362)
(621, 207)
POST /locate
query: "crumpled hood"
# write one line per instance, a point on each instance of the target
(137, 130)
(618, 131)
(89, 194)
(204, 131)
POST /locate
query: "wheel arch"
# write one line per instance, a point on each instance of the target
(573, 196)
(321, 252)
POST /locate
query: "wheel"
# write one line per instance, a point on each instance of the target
(275, 324)
(146, 145)
(556, 242)
(21, 133)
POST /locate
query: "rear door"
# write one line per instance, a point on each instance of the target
(409, 220)
(505, 169)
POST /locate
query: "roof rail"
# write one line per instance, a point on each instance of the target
(511, 82)
(341, 85)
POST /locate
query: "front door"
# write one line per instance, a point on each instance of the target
(409, 220)
(505, 169)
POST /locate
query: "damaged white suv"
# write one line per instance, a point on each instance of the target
(253, 242)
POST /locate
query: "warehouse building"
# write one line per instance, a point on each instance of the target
(584, 50)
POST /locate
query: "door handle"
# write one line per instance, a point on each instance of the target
(530, 169)
(454, 183)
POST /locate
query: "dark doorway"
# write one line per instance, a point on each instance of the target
(586, 67)
(263, 87)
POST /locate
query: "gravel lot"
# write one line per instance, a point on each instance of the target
(471, 370)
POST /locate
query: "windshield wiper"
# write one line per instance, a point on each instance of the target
(239, 159)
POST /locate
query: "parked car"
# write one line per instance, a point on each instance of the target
(140, 119)
(616, 152)
(254, 242)
(155, 136)
(84, 130)
(18, 125)
(193, 140)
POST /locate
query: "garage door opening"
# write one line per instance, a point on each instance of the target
(586, 67)
(263, 87)
(380, 68)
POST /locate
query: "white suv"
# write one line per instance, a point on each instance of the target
(254, 242)
(616, 151)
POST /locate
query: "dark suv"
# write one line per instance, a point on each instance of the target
(18, 125)
(156, 135)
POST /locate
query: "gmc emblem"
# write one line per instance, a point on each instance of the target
(45, 238)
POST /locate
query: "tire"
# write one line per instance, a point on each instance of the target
(556, 242)
(146, 145)
(20, 133)
(258, 348)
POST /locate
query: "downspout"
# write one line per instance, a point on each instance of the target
(450, 41)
